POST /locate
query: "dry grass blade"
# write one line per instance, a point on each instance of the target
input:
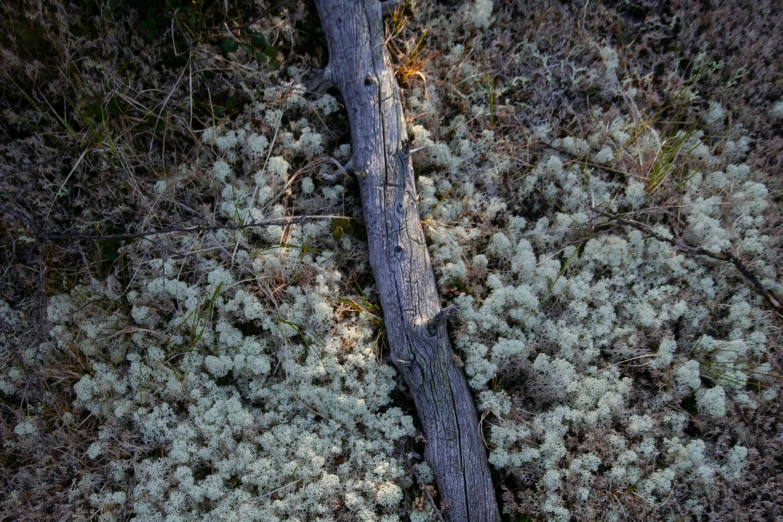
(668, 158)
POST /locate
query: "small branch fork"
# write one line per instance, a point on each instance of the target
(341, 175)
(434, 324)
(723, 255)
(193, 229)
(429, 495)
(409, 458)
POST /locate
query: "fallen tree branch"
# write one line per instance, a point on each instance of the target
(415, 323)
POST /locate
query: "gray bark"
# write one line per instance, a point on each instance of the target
(415, 324)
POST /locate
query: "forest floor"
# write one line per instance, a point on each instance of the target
(108, 143)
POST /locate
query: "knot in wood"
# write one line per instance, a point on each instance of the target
(370, 80)
(440, 318)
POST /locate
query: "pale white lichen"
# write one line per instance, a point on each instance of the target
(777, 110)
(307, 185)
(389, 494)
(481, 14)
(26, 429)
(712, 402)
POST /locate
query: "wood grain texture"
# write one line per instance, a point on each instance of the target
(416, 330)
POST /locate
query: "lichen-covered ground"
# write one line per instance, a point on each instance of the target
(188, 325)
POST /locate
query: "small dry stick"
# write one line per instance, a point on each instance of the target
(429, 495)
(723, 255)
(293, 220)
(341, 175)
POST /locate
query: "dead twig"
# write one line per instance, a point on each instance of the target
(724, 255)
(196, 228)
(429, 495)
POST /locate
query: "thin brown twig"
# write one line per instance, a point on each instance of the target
(429, 495)
(196, 228)
(723, 255)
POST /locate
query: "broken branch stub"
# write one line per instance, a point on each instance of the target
(415, 323)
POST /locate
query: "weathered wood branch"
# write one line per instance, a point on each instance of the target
(415, 323)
